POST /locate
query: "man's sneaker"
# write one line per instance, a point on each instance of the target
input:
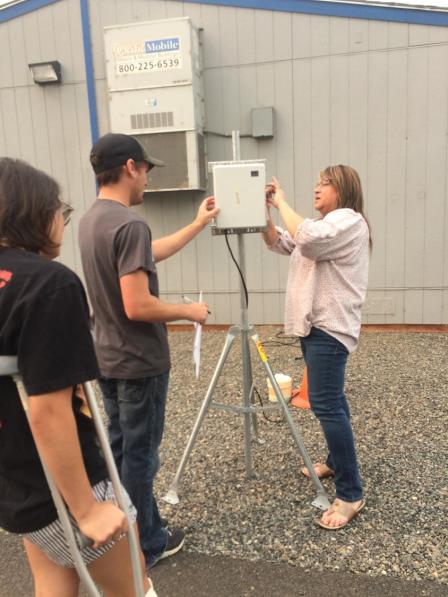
(176, 538)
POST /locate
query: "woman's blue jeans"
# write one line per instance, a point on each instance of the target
(325, 358)
(136, 411)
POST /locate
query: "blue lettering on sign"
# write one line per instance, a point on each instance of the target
(170, 44)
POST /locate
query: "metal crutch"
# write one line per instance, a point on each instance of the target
(9, 366)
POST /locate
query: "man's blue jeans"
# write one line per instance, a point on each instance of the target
(325, 358)
(136, 411)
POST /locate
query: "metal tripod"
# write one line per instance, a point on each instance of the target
(248, 408)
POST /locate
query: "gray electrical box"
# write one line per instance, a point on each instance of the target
(239, 190)
(262, 122)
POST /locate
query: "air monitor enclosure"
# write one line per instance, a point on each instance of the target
(239, 190)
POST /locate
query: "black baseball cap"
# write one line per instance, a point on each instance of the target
(115, 149)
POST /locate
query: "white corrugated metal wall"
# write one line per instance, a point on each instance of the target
(373, 94)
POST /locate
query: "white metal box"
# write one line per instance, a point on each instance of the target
(155, 88)
(239, 191)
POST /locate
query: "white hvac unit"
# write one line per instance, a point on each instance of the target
(155, 89)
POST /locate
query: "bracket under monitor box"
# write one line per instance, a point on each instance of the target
(239, 190)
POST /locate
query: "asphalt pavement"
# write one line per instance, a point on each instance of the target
(190, 574)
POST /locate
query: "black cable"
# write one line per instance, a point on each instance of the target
(239, 270)
(277, 421)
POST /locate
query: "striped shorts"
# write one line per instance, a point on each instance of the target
(51, 539)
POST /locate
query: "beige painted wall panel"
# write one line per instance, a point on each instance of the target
(85, 144)
(359, 35)
(39, 129)
(435, 248)
(398, 35)
(358, 112)
(375, 181)
(11, 141)
(33, 51)
(228, 36)
(416, 160)
(6, 65)
(245, 29)
(96, 35)
(214, 108)
(303, 165)
(140, 10)
(378, 35)
(320, 120)
(210, 35)
(282, 26)
(438, 35)
(432, 306)
(397, 297)
(24, 124)
(194, 11)
(418, 35)
(396, 168)
(20, 72)
(445, 305)
(102, 104)
(174, 9)
(230, 86)
(339, 115)
(339, 36)
(413, 306)
(124, 12)
(66, 40)
(264, 37)
(320, 35)
(46, 33)
(301, 35)
(247, 82)
(157, 9)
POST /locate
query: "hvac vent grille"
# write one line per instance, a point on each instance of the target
(152, 120)
(172, 149)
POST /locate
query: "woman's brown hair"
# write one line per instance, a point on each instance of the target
(29, 199)
(347, 183)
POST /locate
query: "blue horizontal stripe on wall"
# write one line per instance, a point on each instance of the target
(6, 14)
(417, 16)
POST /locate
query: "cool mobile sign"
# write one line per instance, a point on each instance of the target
(172, 44)
(147, 56)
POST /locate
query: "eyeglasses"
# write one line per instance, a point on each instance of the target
(323, 182)
(66, 211)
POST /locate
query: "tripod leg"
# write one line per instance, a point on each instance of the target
(321, 501)
(247, 401)
(171, 496)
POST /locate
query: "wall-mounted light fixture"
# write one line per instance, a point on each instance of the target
(46, 73)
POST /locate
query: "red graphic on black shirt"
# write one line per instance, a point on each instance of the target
(5, 277)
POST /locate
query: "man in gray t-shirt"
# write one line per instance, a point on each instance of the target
(118, 258)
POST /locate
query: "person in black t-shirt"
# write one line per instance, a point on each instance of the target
(44, 321)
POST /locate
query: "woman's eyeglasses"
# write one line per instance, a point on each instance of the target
(66, 211)
(323, 182)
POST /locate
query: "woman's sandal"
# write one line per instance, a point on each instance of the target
(343, 508)
(322, 471)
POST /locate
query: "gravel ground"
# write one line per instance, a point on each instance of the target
(397, 389)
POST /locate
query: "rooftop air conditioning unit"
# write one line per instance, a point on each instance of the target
(155, 89)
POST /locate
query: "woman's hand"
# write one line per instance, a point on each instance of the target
(275, 197)
(274, 194)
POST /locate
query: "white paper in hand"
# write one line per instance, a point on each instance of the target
(197, 344)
